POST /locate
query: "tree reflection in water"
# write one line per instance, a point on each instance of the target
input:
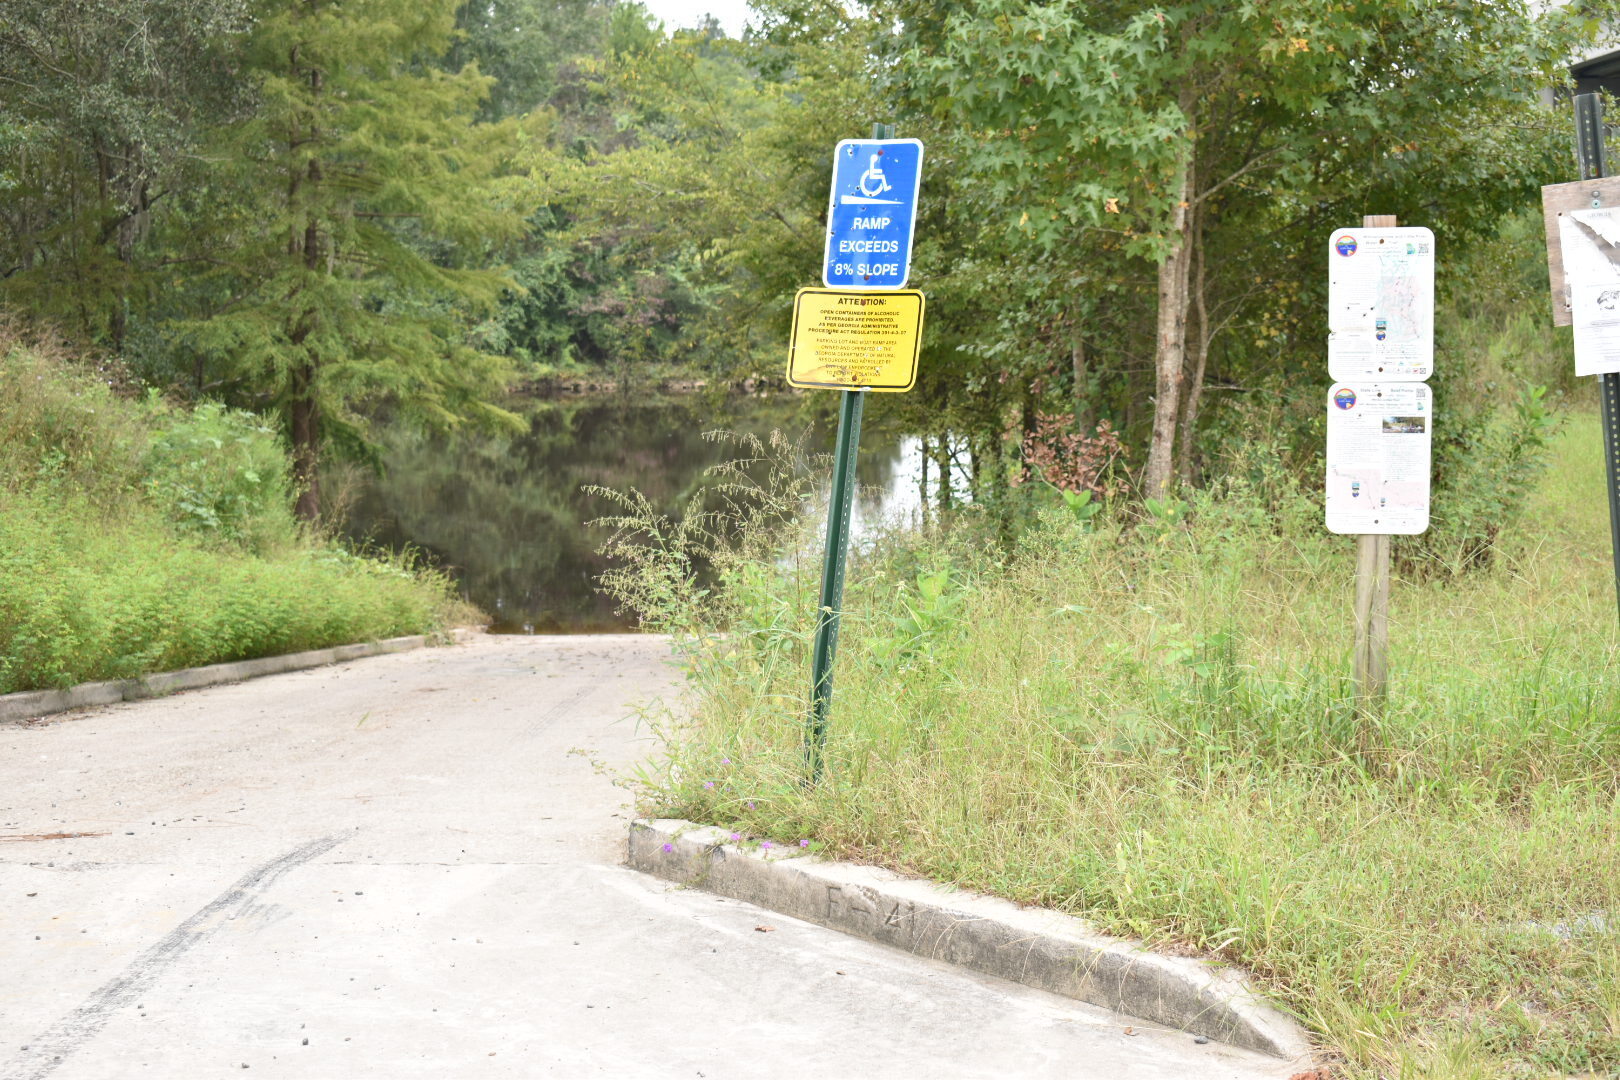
(505, 514)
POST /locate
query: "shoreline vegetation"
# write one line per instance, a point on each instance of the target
(1146, 720)
(138, 537)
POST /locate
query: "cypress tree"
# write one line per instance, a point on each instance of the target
(353, 227)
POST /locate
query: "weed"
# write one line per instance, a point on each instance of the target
(1149, 724)
(138, 538)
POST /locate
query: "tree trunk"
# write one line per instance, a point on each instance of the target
(1195, 387)
(1170, 351)
(303, 411)
(922, 483)
(1028, 423)
(1085, 417)
(306, 441)
(942, 460)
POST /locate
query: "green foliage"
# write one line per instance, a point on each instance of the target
(375, 215)
(1486, 466)
(62, 424)
(751, 506)
(1158, 735)
(1161, 517)
(101, 105)
(138, 538)
(926, 614)
(1052, 236)
(522, 44)
(694, 214)
(1080, 504)
(221, 474)
(85, 597)
(336, 212)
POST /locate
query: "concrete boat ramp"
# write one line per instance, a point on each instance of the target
(412, 865)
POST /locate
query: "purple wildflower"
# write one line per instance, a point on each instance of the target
(735, 837)
(708, 784)
(804, 843)
(750, 804)
(669, 847)
(765, 844)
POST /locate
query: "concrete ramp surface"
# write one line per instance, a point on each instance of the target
(411, 866)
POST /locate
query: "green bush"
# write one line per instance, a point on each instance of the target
(221, 474)
(84, 596)
(138, 538)
(60, 423)
(1487, 462)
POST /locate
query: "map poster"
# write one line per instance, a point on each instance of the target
(1381, 305)
(1378, 437)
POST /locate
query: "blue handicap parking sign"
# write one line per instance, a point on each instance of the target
(872, 213)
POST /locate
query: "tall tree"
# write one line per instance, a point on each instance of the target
(100, 105)
(1110, 125)
(522, 44)
(374, 207)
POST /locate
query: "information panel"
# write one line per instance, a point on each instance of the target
(846, 340)
(1589, 239)
(1381, 305)
(1378, 437)
(872, 213)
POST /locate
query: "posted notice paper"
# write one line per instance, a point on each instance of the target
(1381, 305)
(1378, 437)
(1590, 240)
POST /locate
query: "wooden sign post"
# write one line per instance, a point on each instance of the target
(1372, 606)
(1380, 424)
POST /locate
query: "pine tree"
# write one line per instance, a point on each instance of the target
(350, 209)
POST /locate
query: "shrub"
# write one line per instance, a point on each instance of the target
(138, 538)
(221, 474)
(60, 423)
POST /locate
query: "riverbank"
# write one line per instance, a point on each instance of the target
(561, 385)
(1151, 728)
(138, 538)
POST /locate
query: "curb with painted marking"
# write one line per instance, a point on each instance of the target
(1032, 946)
(16, 708)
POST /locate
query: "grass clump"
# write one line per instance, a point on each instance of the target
(1150, 726)
(136, 537)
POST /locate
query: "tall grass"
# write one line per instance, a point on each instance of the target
(1152, 728)
(136, 538)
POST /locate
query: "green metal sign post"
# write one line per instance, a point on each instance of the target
(832, 577)
(1591, 155)
(834, 564)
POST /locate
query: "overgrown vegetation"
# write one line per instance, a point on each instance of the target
(1147, 721)
(139, 537)
(326, 212)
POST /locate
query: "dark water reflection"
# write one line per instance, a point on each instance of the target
(506, 514)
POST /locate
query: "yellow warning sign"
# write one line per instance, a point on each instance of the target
(845, 340)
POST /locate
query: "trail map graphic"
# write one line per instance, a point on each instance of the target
(1381, 305)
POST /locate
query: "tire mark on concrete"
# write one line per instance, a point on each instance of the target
(47, 1051)
(548, 713)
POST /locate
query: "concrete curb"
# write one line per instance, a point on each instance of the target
(17, 708)
(1032, 946)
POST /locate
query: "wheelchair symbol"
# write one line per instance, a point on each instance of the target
(874, 176)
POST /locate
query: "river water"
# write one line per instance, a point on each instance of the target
(505, 515)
